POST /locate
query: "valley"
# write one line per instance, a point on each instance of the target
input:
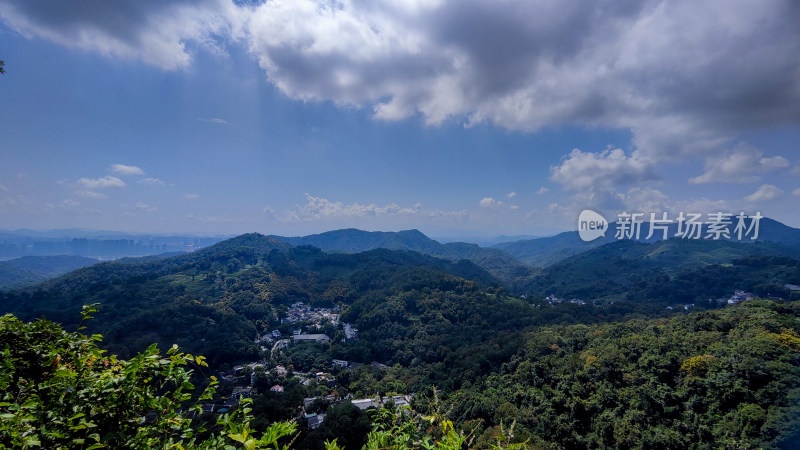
(305, 331)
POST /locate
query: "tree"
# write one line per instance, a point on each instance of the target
(59, 390)
(2, 65)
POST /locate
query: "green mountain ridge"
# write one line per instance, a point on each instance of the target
(231, 289)
(29, 270)
(632, 268)
(500, 264)
(546, 251)
(571, 374)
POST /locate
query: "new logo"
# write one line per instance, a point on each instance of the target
(591, 225)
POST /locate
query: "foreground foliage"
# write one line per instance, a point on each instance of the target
(60, 390)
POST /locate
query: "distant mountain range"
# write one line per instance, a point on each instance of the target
(226, 292)
(95, 244)
(630, 269)
(223, 290)
(543, 252)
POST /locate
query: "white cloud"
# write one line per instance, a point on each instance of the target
(192, 196)
(69, 203)
(214, 120)
(703, 205)
(670, 71)
(636, 199)
(151, 181)
(91, 194)
(318, 208)
(141, 206)
(13, 201)
(126, 170)
(796, 192)
(101, 183)
(764, 193)
(489, 202)
(511, 195)
(743, 164)
(542, 190)
(646, 200)
(605, 170)
(158, 33)
(3, 188)
(685, 76)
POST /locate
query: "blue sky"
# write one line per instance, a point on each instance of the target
(468, 119)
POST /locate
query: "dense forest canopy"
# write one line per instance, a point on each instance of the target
(627, 343)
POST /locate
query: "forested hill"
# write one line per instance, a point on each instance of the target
(572, 375)
(672, 271)
(29, 270)
(500, 264)
(215, 300)
(728, 378)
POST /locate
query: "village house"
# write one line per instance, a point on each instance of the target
(311, 337)
(314, 420)
(242, 392)
(739, 296)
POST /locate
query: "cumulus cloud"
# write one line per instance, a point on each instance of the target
(511, 195)
(154, 31)
(764, 193)
(542, 190)
(670, 72)
(192, 196)
(214, 120)
(489, 202)
(126, 170)
(683, 76)
(605, 170)
(101, 183)
(796, 192)
(743, 164)
(646, 200)
(635, 199)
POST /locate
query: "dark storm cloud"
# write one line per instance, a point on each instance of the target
(684, 76)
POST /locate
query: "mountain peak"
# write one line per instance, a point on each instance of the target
(413, 233)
